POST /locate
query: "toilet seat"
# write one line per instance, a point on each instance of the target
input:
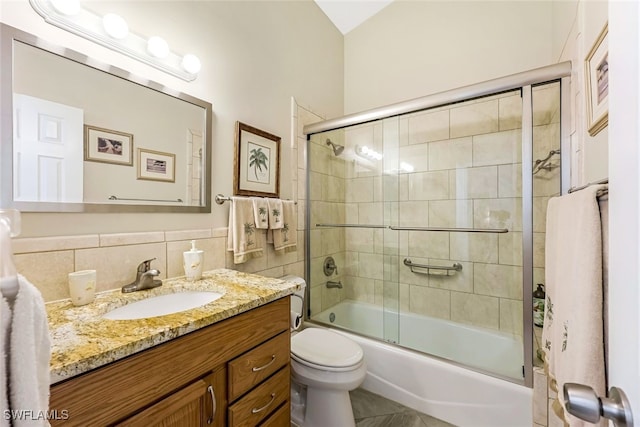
(325, 350)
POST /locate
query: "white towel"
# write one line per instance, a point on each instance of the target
(572, 335)
(275, 214)
(243, 239)
(286, 238)
(5, 324)
(261, 212)
(29, 358)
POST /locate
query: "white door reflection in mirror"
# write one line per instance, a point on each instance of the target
(47, 151)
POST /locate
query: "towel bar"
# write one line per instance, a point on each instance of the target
(146, 200)
(453, 230)
(221, 198)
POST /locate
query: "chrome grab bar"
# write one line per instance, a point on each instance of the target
(455, 267)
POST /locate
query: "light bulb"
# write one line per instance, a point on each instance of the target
(158, 47)
(115, 26)
(66, 7)
(191, 63)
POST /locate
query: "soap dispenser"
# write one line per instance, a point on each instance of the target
(193, 260)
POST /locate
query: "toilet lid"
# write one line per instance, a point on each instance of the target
(325, 348)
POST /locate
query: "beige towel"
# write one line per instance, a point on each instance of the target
(275, 214)
(29, 358)
(243, 239)
(286, 238)
(572, 335)
(5, 324)
(261, 212)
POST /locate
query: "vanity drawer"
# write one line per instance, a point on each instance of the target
(261, 401)
(254, 366)
(282, 417)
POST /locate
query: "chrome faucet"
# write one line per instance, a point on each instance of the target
(331, 284)
(144, 278)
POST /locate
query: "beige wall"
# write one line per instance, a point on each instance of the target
(411, 49)
(255, 56)
(578, 24)
(416, 48)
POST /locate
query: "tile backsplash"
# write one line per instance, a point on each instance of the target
(47, 261)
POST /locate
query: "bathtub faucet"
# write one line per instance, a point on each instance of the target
(331, 284)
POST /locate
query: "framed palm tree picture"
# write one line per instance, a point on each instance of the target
(256, 163)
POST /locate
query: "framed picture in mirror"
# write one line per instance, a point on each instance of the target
(156, 166)
(108, 146)
(256, 162)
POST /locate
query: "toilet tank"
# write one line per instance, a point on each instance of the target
(297, 301)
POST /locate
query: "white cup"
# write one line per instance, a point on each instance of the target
(82, 286)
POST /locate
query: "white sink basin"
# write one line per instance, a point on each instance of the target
(162, 305)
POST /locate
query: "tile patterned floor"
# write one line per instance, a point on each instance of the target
(371, 410)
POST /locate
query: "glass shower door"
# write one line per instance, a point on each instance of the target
(423, 215)
(460, 233)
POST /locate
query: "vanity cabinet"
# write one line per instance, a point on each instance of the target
(236, 370)
(194, 405)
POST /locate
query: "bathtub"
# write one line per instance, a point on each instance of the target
(433, 386)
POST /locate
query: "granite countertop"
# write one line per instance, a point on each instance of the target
(81, 339)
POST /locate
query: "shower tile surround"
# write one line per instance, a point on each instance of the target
(467, 167)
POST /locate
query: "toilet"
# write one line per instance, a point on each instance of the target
(325, 366)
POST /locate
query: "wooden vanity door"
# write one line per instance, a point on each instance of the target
(190, 406)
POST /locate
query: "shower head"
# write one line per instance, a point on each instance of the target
(337, 149)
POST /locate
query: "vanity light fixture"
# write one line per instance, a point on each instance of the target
(191, 63)
(66, 7)
(115, 26)
(113, 32)
(157, 47)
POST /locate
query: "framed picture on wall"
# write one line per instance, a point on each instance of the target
(256, 163)
(156, 166)
(108, 146)
(597, 80)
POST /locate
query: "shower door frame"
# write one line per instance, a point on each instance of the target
(523, 81)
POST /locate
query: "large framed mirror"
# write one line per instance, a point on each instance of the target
(82, 136)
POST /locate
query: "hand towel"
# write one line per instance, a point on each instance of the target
(5, 324)
(572, 334)
(286, 238)
(29, 358)
(243, 239)
(261, 212)
(275, 214)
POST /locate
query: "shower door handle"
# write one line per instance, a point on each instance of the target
(582, 402)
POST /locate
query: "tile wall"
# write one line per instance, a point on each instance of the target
(457, 166)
